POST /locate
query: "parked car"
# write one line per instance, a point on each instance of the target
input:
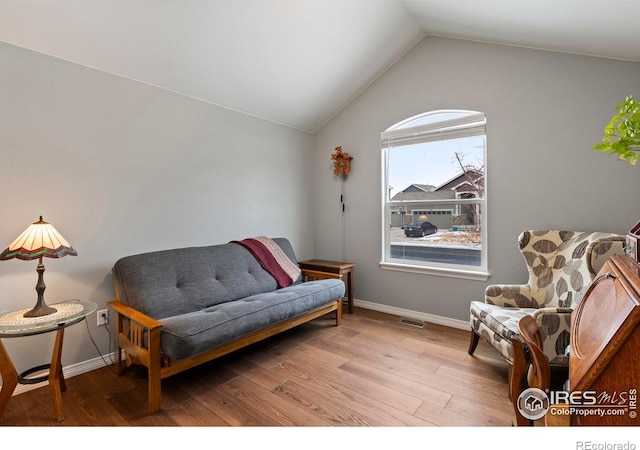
(419, 229)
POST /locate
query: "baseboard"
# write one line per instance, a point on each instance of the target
(409, 314)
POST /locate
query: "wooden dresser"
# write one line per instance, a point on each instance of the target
(604, 364)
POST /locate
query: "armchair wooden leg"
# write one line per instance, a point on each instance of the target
(473, 343)
(515, 380)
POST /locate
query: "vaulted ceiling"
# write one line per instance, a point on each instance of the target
(298, 62)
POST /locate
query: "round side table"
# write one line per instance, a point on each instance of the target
(14, 325)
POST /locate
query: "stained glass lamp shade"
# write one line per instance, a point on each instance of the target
(40, 239)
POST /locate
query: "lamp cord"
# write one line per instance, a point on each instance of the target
(106, 363)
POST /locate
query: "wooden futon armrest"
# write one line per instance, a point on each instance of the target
(134, 315)
(138, 335)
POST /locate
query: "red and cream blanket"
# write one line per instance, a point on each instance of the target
(272, 258)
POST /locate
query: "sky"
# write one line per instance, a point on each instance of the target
(433, 162)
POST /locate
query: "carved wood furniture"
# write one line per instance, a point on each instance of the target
(538, 373)
(605, 346)
(633, 246)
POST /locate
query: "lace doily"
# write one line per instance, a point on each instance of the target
(63, 310)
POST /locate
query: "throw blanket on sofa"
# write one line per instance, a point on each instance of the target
(272, 258)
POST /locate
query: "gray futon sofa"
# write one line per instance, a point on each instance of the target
(175, 309)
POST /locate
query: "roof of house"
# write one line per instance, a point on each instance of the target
(461, 183)
(421, 195)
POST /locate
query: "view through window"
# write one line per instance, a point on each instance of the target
(434, 196)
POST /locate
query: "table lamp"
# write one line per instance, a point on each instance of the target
(40, 239)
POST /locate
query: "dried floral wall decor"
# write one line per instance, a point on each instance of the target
(341, 162)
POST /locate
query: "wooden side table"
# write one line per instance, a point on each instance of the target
(13, 325)
(343, 268)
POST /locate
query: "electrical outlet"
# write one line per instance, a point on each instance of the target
(103, 317)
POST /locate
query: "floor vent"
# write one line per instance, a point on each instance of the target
(412, 322)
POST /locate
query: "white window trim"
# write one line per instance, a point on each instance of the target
(453, 272)
(450, 129)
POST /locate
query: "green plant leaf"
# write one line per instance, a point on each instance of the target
(602, 147)
(622, 133)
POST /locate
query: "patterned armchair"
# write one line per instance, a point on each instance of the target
(561, 266)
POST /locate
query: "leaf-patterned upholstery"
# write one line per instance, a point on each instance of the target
(561, 266)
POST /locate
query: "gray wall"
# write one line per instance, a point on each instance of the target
(544, 112)
(119, 167)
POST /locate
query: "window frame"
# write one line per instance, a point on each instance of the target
(472, 123)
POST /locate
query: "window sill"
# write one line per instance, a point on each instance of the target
(467, 274)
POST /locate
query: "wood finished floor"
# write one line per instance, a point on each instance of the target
(371, 371)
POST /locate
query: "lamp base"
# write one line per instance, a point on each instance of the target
(40, 310)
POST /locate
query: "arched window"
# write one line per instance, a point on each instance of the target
(434, 196)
